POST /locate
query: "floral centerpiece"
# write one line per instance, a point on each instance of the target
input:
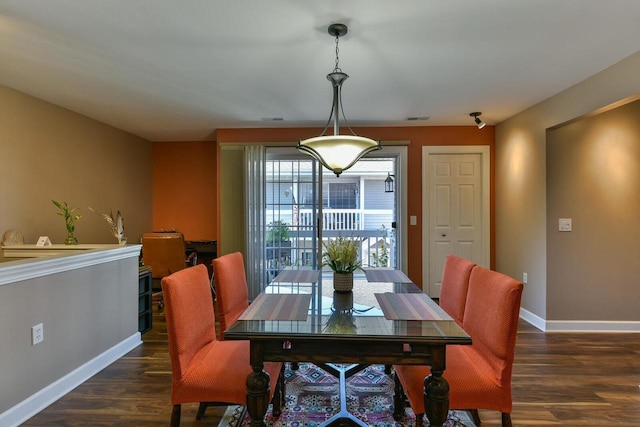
(70, 217)
(341, 256)
(116, 224)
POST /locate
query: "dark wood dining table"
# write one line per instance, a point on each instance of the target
(300, 318)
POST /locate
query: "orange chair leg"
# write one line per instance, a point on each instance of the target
(276, 400)
(399, 399)
(506, 420)
(175, 415)
(201, 409)
(476, 417)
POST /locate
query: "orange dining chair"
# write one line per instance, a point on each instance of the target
(205, 369)
(479, 375)
(232, 296)
(455, 283)
(232, 292)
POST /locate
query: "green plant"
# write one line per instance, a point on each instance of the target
(69, 215)
(381, 258)
(341, 254)
(278, 232)
(340, 322)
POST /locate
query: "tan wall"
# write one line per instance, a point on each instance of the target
(521, 221)
(593, 177)
(48, 152)
(232, 208)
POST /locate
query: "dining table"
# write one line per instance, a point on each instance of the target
(386, 319)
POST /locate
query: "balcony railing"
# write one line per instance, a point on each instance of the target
(377, 249)
(371, 226)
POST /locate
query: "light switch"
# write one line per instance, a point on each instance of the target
(413, 220)
(564, 224)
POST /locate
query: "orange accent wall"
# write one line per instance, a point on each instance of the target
(184, 188)
(418, 137)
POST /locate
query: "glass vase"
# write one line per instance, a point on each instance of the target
(71, 239)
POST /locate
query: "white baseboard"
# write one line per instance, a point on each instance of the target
(578, 325)
(35, 403)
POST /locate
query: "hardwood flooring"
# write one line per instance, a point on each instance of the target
(559, 379)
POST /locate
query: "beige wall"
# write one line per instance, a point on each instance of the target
(521, 199)
(593, 177)
(232, 221)
(48, 152)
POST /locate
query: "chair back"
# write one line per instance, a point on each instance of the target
(164, 253)
(455, 283)
(491, 318)
(189, 314)
(232, 293)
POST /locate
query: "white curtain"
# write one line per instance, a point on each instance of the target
(254, 189)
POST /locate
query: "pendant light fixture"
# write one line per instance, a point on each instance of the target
(337, 152)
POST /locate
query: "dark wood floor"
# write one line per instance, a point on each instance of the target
(559, 379)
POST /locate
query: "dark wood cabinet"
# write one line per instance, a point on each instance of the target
(145, 311)
(206, 250)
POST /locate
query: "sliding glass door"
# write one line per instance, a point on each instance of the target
(306, 204)
(292, 194)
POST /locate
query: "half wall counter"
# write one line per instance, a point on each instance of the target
(85, 297)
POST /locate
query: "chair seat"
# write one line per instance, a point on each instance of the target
(214, 361)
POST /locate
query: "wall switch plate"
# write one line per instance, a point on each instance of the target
(564, 224)
(413, 220)
(525, 278)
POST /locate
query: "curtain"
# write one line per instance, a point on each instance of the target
(254, 189)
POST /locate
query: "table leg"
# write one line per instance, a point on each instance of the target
(436, 398)
(257, 395)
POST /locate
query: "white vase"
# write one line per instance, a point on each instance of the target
(343, 282)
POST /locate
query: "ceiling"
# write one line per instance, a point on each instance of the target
(170, 70)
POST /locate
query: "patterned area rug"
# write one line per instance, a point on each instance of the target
(312, 398)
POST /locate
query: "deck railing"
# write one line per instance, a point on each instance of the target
(377, 249)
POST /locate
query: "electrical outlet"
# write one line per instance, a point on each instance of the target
(525, 278)
(37, 334)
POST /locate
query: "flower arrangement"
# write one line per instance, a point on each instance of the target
(116, 224)
(340, 322)
(341, 254)
(70, 217)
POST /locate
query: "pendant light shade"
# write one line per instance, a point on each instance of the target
(337, 152)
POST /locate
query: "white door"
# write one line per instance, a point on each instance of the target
(455, 213)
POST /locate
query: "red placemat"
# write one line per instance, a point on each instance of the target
(278, 307)
(297, 276)
(386, 275)
(416, 306)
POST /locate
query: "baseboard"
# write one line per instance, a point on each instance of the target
(578, 325)
(35, 403)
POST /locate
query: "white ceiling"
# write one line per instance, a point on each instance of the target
(178, 69)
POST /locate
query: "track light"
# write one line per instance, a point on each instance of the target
(476, 119)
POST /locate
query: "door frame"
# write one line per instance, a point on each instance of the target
(485, 152)
(398, 151)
